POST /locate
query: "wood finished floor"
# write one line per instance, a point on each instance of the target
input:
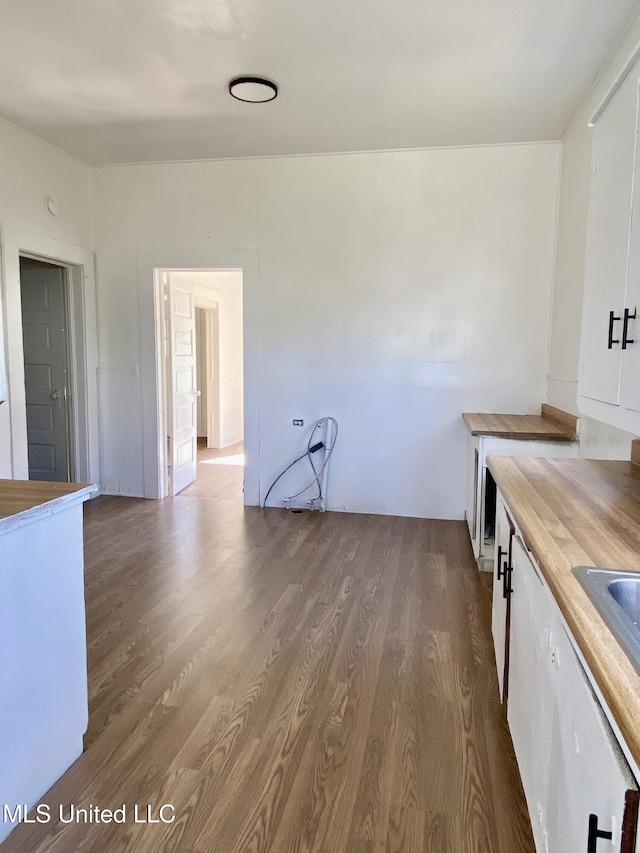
(290, 683)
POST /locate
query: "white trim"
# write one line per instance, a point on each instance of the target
(149, 261)
(79, 263)
(4, 383)
(617, 83)
(322, 154)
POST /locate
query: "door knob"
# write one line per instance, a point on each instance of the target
(55, 395)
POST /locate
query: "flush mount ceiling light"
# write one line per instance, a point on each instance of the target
(253, 90)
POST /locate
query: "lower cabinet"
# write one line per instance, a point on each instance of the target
(504, 531)
(531, 702)
(480, 488)
(576, 780)
(589, 775)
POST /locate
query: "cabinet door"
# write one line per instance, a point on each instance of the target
(570, 762)
(630, 387)
(590, 774)
(499, 614)
(533, 619)
(610, 196)
(473, 485)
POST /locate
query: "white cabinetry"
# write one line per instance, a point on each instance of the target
(531, 703)
(501, 609)
(479, 517)
(590, 775)
(473, 492)
(43, 647)
(608, 381)
(574, 775)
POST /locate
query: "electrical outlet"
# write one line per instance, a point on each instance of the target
(298, 422)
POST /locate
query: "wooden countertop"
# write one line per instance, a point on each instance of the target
(525, 427)
(575, 512)
(22, 501)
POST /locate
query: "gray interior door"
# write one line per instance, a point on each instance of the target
(45, 370)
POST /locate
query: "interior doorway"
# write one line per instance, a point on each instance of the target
(78, 265)
(47, 369)
(202, 383)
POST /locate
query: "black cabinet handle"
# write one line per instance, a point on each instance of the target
(625, 324)
(612, 319)
(501, 553)
(506, 580)
(595, 834)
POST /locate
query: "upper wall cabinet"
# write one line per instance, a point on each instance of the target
(609, 376)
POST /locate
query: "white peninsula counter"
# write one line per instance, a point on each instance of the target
(43, 649)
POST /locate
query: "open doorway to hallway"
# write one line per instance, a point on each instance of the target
(220, 473)
(202, 381)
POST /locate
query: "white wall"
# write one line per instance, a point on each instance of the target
(395, 291)
(596, 439)
(229, 285)
(30, 172)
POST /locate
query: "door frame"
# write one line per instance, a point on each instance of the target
(83, 348)
(150, 263)
(211, 308)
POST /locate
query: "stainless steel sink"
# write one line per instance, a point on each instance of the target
(616, 596)
(626, 591)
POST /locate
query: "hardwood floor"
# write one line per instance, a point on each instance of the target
(317, 683)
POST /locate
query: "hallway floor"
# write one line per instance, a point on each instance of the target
(219, 474)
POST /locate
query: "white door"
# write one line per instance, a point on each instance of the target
(182, 385)
(45, 371)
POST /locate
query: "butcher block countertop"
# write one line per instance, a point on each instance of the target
(22, 501)
(582, 512)
(526, 427)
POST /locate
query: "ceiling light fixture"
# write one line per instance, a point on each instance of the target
(253, 90)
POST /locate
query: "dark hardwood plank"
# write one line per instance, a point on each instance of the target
(289, 683)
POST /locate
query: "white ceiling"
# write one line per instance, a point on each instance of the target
(115, 81)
